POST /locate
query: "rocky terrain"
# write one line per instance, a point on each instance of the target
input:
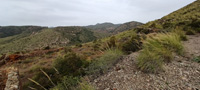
(9, 78)
(181, 74)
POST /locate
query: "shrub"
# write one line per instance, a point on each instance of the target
(131, 45)
(79, 45)
(157, 50)
(67, 83)
(84, 85)
(112, 42)
(196, 59)
(197, 30)
(181, 34)
(102, 64)
(190, 32)
(149, 62)
(42, 79)
(73, 83)
(47, 48)
(70, 64)
(96, 45)
(67, 49)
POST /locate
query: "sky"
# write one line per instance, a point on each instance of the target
(84, 12)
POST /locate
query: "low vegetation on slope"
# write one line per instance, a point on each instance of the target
(106, 61)
(67, 71)
(15, 30)
(157, 50)
(55, 37)
(187, 18)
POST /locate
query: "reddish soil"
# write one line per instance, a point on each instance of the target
(3, 78)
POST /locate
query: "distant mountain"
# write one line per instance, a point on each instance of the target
(103, 26)
(111, 28)
(126, 26)
(18, 38)
(40, 38)
(6, 31)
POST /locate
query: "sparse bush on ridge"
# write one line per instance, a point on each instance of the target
(131, 45)
(190, 32)
(112, 42)
(157, 50)
(70, 64)
(181, 33)
(102, 64)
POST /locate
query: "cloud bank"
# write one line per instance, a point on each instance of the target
(84, 12)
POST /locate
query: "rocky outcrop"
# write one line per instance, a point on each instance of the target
(12, 82)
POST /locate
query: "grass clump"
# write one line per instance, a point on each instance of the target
(190, 32)
(181, 34)
(157, 50)
(102, 64)
(131, 45)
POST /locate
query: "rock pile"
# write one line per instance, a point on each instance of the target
(13, 79)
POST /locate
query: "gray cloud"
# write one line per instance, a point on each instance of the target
(84, 12)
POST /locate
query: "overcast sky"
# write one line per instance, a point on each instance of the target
(84, 12)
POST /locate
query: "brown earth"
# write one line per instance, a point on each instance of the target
(3, 78)
(181, 74)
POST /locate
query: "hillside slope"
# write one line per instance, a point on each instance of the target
(180, 74)
(54, 37)
(186, 18)
(7, 31)
(126, 26)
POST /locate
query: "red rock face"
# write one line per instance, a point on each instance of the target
(14, 57)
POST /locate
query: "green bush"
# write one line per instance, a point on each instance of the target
(102, 64)
(42, 79)
(196, 59)
(79, 45)
(112, 42)
(190, 32)
(181, 34)
(157, 50)
(96, 45)
(197, 30)
(67, 49)
(131, 45)
(70, 64)
(67, 83)
(73, 83)
(149, 62)
(84, 85)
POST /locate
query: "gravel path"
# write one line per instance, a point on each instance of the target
(180, 74)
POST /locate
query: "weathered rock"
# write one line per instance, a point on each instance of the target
(12, 82)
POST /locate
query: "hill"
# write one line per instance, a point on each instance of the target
(126, 26)
(41, 38)
(103, 26)
(110, 28)
(6, 31)
(185, 18)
